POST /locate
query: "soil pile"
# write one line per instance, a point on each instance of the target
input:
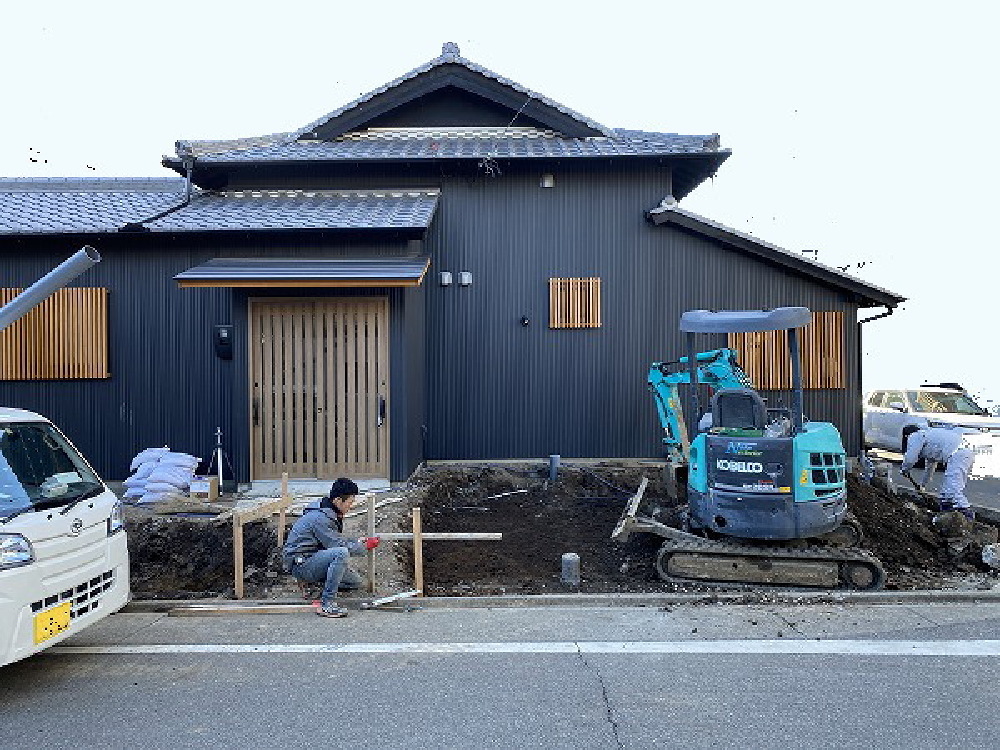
(184, 557)
(541, 520)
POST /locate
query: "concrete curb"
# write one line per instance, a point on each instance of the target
(991, 596)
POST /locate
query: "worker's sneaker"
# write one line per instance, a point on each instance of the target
(331, 610)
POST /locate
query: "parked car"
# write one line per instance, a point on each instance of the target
(890, 416)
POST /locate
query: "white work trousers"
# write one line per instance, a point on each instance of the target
(956, 474)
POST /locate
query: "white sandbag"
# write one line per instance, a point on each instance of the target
(146, 455)
(144, 470)
(134, 481)
(175, 475)
(136, 491)
(180, 459)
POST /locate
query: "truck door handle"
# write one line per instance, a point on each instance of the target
(381, 410)
(256, 411)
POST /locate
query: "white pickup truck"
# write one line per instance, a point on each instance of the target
(890, 416)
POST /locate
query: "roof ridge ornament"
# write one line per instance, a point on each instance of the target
(450, 48)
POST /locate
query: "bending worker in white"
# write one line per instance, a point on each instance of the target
(939, 445)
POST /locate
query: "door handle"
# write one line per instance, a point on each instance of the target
(256, 411)
(381, 410)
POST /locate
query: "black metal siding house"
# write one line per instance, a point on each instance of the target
(451, 267)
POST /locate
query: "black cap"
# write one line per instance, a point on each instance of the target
(343, 487)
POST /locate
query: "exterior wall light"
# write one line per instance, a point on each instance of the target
(548, 180)
(465, 278)
(445, 278)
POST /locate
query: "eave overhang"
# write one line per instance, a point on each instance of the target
(270, 273)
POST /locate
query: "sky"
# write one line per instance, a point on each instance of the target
(861, 132)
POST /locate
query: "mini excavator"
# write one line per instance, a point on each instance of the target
(765, 489)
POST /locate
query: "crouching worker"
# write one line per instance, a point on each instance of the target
(317, 550)
(940, 445)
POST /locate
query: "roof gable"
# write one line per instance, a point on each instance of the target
(867, 295)
(451, 71)
(451, 107)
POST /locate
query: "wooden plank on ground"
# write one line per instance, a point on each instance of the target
(439, 536)
(222, 610)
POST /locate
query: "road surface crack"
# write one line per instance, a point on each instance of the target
(608, 711)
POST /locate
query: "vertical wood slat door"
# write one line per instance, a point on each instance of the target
(319, 376)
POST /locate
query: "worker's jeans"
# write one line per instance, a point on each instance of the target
(328, 566)
(956, 474)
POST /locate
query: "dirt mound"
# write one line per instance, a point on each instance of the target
(900, 530)
(180, 558)
(540, 520)
(176, 557)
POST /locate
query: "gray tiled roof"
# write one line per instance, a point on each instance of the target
(301, 209)
(83, 205)
(450, 55)
(375, 144)
(457, 143)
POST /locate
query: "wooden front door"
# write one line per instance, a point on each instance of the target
(319, 376)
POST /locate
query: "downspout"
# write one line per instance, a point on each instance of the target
(188, 160)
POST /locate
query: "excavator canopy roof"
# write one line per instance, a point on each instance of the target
(740, 321)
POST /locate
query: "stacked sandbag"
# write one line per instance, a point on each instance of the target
(159, 475)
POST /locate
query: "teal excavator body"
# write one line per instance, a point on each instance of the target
(750, 472)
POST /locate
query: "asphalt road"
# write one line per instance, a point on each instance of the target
(830, 675)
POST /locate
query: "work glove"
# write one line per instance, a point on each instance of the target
(370, 542)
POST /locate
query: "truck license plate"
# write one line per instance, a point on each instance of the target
(51, 622)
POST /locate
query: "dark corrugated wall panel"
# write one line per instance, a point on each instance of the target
(497, 389)
(167, 387)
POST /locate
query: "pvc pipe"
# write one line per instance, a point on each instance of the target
(51, 282)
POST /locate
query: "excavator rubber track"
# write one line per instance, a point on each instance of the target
(697, 559)
(684, 556)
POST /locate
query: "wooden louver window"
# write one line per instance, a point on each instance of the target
(575, 303)
(64, 337)
(764, 354)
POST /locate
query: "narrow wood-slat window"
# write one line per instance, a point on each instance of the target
(764, 354)
(63, 338)
(575, 303)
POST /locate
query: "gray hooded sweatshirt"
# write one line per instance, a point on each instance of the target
(319, 528)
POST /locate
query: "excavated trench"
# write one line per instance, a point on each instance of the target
(190, 557)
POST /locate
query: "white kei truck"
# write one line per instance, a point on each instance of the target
(63, 552)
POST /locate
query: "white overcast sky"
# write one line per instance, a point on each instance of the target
(862, 130)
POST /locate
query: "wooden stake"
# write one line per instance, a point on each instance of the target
(418, 552)
(238, 555)
(371, 552)
(284, 508)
